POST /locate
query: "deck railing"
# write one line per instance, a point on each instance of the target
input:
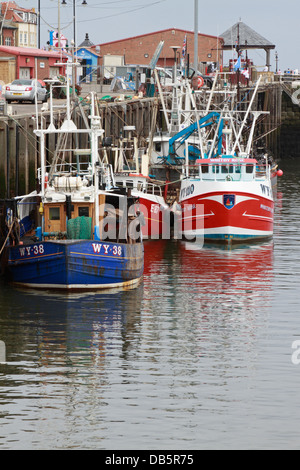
(227, 171)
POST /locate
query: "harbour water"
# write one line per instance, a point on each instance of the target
(201, 355)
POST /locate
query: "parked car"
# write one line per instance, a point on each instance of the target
(24, 90)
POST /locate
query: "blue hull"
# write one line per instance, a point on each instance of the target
(75, 264)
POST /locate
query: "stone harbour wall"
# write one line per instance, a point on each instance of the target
(290, 128)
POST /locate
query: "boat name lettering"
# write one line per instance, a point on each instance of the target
(154, 208)
(187, 191)
(188, 207)
(31, 250)
(107, 249)
(266, 208)
(265, 189)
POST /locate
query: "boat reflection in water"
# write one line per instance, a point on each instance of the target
(227, 277)
(80, 327)
(209, 279)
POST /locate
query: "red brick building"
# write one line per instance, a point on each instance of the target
(19, 25)
(9, 34)
(140, 49)
(22, 63)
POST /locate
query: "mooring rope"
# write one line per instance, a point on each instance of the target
(9, 232)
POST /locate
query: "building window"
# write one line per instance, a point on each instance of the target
(21, 38)
(25, 38)
(8, 41)
(32, 18)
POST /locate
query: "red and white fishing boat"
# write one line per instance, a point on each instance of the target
(151, 203)
(131, 171)
(227, 200)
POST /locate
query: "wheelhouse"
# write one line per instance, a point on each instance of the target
(227, 169)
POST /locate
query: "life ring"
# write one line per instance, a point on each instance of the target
(200, 82)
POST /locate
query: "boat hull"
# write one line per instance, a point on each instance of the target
(156, 215)
(227, 212)
(80, 264)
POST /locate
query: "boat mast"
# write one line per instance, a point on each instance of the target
(246, 117)
(96, 132)
(196, 14)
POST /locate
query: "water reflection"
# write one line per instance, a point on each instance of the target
(209, 278)
(206, 305)
(67, 323)
(199, 344)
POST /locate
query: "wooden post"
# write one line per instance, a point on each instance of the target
(7, 162)
(26, 159)
(17, 161)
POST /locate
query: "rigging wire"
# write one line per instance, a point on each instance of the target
(141, 7)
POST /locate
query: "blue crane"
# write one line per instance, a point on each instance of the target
(184, 134)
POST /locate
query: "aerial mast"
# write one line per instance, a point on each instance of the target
(196, 29)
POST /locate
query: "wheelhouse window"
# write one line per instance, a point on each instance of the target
(54, 213)
(227, 168)
(83, 211)
(249, 169)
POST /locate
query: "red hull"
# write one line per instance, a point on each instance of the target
(155, 218)
(228, 215)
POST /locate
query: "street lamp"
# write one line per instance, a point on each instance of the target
(74, 79)
(39, 24)
(84, 2)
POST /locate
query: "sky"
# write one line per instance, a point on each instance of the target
(110, 20)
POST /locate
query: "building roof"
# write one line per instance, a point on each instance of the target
(7, 24)
(28, 51)
(14, 6)
(84, 52)
(86, 42)
(10, 9)
(247, 36)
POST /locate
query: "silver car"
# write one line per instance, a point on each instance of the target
(24, 90)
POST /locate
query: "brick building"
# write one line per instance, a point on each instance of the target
(140, 49)
(19, 62)
(9, 36)
(19, 25)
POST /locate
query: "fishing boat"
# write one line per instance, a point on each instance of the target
(203, 119)
(150, 203)
(131, 172)
(78, 231)
(227, 200)
(225, 192)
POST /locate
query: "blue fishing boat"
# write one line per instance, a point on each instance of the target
(78, 231)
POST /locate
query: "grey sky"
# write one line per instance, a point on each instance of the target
(109, 20)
